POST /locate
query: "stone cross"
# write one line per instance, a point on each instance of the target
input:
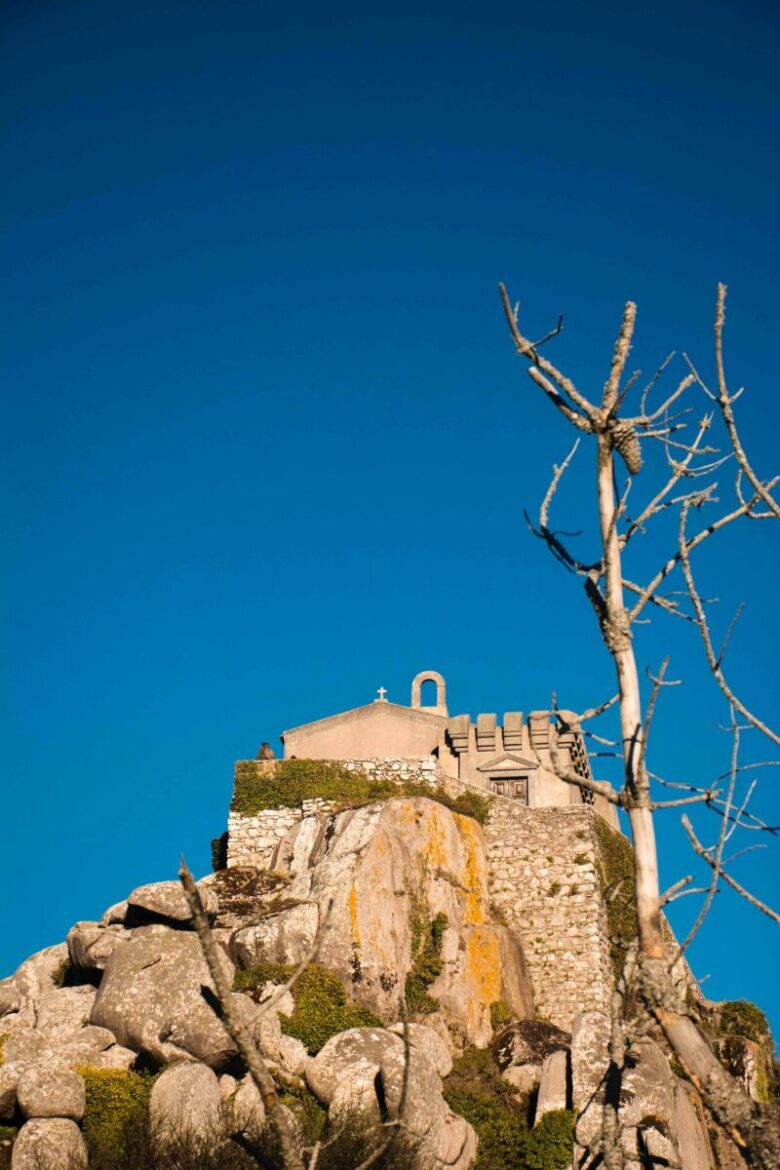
(381, 692)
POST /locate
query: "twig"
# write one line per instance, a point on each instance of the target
(258, 1071)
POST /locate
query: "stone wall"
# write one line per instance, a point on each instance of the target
(252, 839)
(543, 879)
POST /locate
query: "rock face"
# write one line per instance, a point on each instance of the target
(388, 870)
(150, 999)
(49, 1144)
(657, 1122)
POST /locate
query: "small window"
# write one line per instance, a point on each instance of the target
(515, 787)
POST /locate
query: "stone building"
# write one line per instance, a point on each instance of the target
(516, 757)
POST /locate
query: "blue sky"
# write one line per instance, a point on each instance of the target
(266, 444)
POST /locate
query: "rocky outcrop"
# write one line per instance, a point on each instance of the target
(381, 875)
(395, 895)
(165, 902)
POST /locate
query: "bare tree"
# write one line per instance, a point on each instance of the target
(689, 487)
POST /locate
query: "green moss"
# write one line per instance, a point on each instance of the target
(475, 1090)
(427, 935)
(581, 859)
(740, 1017)
(116, 1112)
(500, 1014)
(322, 1007)
(292, 781)
(616, 872)
(550, 1144)
(255, 978)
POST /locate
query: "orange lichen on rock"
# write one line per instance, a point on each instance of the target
(352, 903)
(483, 971)
(472, 876)
(435, 853)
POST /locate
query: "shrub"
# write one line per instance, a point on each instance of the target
(255, 978)
(475, 1090)
(550, 1144)
(427, 963)
(115, 1120)
(740, 1017)
(322, 1007)
(500, 1014)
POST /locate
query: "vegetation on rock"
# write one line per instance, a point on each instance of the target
(293, 781)
(500, 1014)
(427, 935)
(616, 872)
(740, 1017)
(550, 1143)
(322, 1007)
(116, 1115)
(476, 1091)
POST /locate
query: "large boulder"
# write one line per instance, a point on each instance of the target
(185, 1105)
(429, 1042)
(387, 871)
(166, 902)
(247, 1112)
(49, 1143)
(553, 1085)
(283, 936)
(47, 1092)
(363, 1071)
(90, 945)
(151, 998)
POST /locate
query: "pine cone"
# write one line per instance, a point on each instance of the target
(626, 443)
